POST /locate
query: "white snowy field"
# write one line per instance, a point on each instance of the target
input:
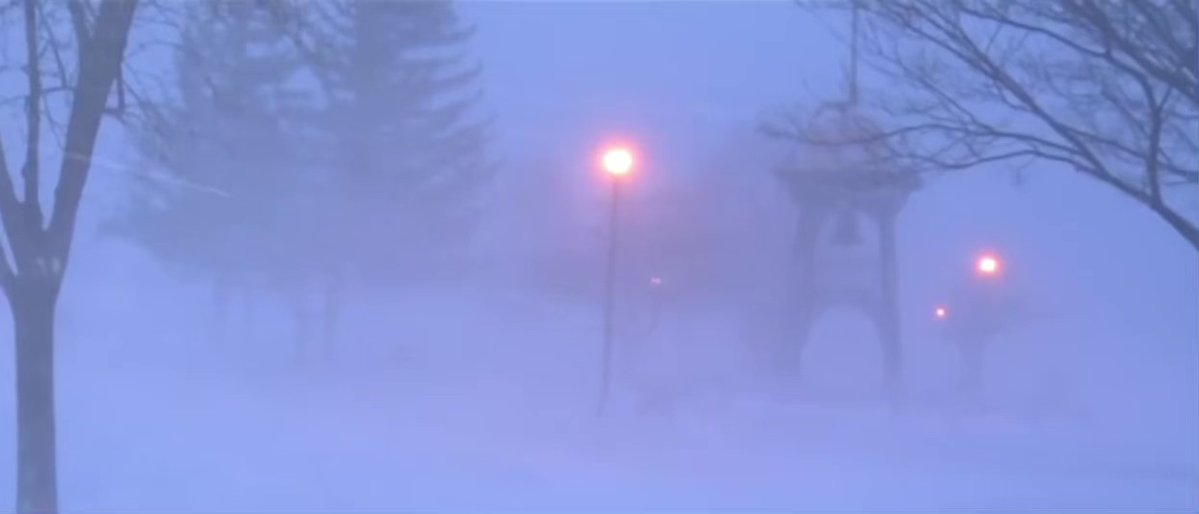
(485, 401)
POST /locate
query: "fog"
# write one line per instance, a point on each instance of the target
(472, 382)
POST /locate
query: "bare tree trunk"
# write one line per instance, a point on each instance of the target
(32, 304)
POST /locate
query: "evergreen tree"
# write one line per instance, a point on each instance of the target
(224, 151)
(409, 146)
(221, 152)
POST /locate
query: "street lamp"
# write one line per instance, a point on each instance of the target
(618, 162)
(988, 265)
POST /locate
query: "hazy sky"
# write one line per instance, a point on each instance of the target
(563, 73)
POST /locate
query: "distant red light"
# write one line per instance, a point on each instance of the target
(941, 312)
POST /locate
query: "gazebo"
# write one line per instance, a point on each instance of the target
(848, 194)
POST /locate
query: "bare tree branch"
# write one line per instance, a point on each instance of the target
(1108, 88)
(30, 172)
(64, 80)
(100, 63)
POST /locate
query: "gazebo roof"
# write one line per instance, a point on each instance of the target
(846, 158)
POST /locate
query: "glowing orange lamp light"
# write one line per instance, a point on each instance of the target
(618, 161)
(988, 265)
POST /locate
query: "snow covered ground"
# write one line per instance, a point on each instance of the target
(485, 401)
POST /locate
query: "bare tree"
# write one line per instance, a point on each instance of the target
(1109, 88)
(39, 250)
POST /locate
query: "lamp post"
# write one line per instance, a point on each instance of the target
(618, 164)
